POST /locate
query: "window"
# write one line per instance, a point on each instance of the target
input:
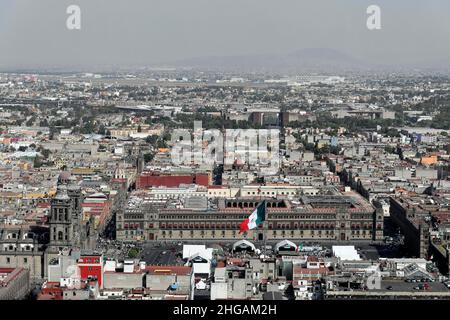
(25, 260)
(8, 260)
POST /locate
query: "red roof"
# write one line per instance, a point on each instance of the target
(43, 205)
(179, 270)
(94, 204)
(312, 259)
(44, 296)
(299, 269)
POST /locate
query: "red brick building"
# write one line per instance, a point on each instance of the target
(152, 179)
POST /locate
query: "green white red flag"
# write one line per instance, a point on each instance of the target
(256, 218)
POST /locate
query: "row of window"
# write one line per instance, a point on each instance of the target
(231, 204)
(8, 260)
(14, 248)
(306, 217)
(361, 216)
(235, 225)
(60, 217)
(14, 235)
(213, 232)
(204, 217)
(140, 217)
(270, 193)
(318, 234)
(200, 226)
(89, 260)
(244, 216)
(134, 232)
(134, 226)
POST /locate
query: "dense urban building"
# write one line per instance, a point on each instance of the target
(93, 207)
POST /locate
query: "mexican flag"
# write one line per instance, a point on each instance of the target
(256, 218)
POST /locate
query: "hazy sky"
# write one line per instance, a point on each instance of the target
(33, 33)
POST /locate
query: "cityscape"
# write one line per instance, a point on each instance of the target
(217, 179)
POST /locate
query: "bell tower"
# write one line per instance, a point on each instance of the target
(76, 196)
(61, 232)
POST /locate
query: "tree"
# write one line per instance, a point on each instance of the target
(152, 139)
(37, 163)
(389, 149)
(161, 144)
(148, 157)
(133, 253)
(102, 130)
(46, 153)
(447, 148)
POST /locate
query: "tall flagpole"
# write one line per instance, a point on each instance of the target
(265, 226)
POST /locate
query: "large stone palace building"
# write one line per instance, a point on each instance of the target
(343, 217)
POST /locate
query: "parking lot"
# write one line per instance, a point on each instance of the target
(162, 255)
